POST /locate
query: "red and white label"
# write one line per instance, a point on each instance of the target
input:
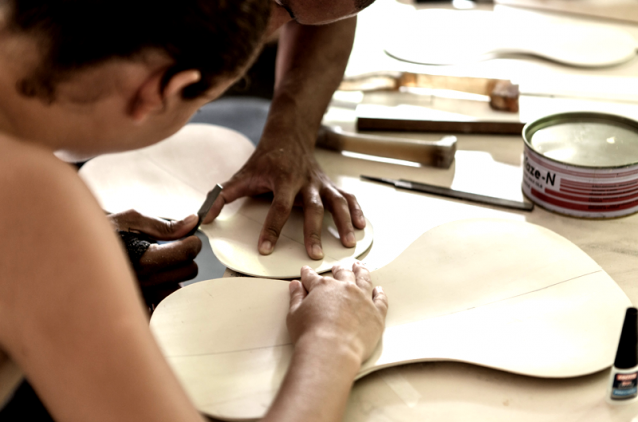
(578, 191)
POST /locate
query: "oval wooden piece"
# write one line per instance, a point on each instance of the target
(502, 294)
(170, 179)
(434, 37)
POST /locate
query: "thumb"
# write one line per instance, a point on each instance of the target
(156, 228)
(215, 209)
(297, 294)
(237, 187)
(169, 230)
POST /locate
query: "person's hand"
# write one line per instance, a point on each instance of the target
(169, 262)
(291, 173)
(345, 309)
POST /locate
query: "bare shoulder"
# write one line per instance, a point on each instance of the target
(42, 200)
(20, 158)
(34, 186)
(53, 234)
(69, 305)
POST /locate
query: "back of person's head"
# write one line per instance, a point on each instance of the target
(216, 37)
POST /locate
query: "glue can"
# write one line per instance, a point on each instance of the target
(623, 382)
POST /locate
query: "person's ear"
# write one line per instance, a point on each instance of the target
(151, 98)
(179, 81)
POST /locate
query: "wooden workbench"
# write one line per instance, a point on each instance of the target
(448, 391)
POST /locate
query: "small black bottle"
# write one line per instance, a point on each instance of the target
(623, 383)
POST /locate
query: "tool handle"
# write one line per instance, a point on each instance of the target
(503, 93)
(376, 81)
(432, 153)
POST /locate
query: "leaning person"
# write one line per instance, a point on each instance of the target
(315, 41)
(84, 77)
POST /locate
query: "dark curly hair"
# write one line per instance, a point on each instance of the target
(216, 37)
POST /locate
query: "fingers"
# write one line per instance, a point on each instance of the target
(313, 218)
(277, 216)
(157, 228)
(160, 258)
(358, 275)
(338, 206)
(214, 211)
(297, 294)
(234, 188)
(341, 273)
(362, 277)
(380, 300)
(240, 185)
(356, 213)
(309, 278)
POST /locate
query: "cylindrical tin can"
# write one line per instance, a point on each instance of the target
(582, 164)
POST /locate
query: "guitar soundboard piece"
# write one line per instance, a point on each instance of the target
(502, 294)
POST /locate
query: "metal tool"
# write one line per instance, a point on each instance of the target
(206, 206)
(451, 193)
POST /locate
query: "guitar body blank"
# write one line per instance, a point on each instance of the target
(447, 37)
(506, 295)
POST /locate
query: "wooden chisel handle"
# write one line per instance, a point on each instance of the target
(503, 93)
(432, 153)
(377, 81)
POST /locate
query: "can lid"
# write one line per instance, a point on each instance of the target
(585, 139)
(627, 354)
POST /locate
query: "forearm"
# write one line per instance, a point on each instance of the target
(317, 384)
(310, 65)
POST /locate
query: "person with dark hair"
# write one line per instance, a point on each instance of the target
(75, 35)
(198, 35)
(70, 315)
(314, 45)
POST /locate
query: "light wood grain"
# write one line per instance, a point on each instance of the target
(438, 153)
(622, 10)
(447, 391)
(572, 45)
(171, 179)
(497, 293)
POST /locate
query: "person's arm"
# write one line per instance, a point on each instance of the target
(335, 324)
(310, 65)
(72, 319)
(70, 313)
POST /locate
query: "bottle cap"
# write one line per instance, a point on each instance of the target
(627, 354)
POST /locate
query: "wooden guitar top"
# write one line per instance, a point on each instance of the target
(497, 293)
(447, 37)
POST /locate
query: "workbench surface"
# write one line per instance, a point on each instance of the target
(491, 165)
